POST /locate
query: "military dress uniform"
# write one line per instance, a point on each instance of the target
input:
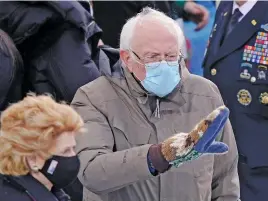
(238, 64)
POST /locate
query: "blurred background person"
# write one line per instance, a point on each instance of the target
(11, 72)
(237, 62)
(112, 15)
(123, 10)
(37, 157)
(198, 37)
(57, 40)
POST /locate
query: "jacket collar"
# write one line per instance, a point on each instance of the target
(34, 187)
(249, 25)
(135, 88)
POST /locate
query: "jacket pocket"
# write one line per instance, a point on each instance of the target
(196, 174)
(203, 166)
(254, 176)
(254, 163)
(200, 167)
(203, 173)
(252, 99)
(128, 132)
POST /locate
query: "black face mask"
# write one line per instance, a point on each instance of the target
(61, 171)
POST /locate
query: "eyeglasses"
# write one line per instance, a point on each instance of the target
(170, 59)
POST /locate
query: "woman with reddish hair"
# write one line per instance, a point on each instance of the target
(37, 157)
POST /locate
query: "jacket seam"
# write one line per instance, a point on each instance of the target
(208, 96)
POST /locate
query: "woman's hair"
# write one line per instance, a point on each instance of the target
(8, 47)
(30, 127)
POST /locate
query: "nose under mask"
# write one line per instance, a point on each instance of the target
(161, 77)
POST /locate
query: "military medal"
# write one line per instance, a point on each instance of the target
(264, 98)
(246, 67)
(245, 74)
(262, 72)
(244, 97)
(259, 52)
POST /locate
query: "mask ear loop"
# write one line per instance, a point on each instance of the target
(181, 56)
(182, 65)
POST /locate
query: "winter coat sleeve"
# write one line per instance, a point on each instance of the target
(102, 170)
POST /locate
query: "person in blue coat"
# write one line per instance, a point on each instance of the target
(198, 38)
(237, 62)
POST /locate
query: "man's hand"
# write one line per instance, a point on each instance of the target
(185, 147)
(197, 13)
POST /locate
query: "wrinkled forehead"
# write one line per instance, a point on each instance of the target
(152, 34)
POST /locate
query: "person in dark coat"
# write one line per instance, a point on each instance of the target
(57, 41)
(123, 10)
(237, 62)
(37, 157)
(11, 72)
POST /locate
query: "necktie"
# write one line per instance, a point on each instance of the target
(233, 21)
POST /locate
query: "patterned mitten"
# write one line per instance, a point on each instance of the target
(184, 147)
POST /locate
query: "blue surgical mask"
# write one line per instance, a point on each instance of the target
(161, 77)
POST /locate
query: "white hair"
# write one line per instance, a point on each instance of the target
(129, 28)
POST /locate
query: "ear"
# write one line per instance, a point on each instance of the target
(32, 162)
(35, 162)
(125, 57)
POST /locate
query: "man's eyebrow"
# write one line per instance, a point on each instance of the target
(172, 52)
(151, 53)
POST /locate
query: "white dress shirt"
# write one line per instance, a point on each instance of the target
(245, 8)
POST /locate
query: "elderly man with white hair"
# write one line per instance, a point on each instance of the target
(127, 152)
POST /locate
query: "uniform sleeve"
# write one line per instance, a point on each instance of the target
(102, 170)
(225, 184)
